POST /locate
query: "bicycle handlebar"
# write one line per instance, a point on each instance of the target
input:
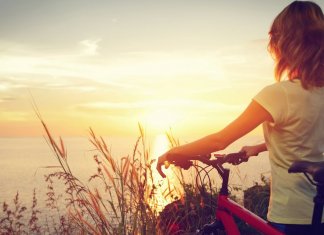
(231, 158)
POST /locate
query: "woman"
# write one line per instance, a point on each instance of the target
(292, 114)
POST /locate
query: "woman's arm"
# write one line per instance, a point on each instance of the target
(252, 117)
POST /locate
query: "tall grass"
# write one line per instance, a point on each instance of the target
(124, 203)
(125, 200)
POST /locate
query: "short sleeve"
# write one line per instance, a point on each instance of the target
(274, 99)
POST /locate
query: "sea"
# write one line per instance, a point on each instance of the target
(25, 161)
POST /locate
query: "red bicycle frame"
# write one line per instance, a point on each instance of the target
(227, 208)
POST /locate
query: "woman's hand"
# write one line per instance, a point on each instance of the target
(162, 160)
(254, 150)
(165, 159)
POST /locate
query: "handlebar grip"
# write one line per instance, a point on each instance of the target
(186, 164)
(236, 158)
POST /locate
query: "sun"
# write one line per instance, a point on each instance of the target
(160, 120)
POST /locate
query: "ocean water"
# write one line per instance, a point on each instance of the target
(25, 161)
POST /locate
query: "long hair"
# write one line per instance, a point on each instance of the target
(297, 43)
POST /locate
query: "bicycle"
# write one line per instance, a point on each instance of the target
(227, 208)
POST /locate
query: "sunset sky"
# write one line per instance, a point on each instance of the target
(187, 65)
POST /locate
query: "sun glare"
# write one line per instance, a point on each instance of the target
(167, 186)
(160, 120)
(161, 145)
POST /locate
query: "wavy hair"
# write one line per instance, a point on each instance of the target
(297, 43)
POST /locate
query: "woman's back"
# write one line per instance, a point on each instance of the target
(296, 134)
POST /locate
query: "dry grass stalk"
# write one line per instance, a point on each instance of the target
(124, 206)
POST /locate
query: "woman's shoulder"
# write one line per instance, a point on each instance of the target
(292, 90)
(284, 86)
(271, 93)
(280, 90)
(286, 83)
(275, 87)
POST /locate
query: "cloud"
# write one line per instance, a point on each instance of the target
(89, 47)
(180, 104)
(14, 116)
(137, 73)
(142, 71)
(4, 87)
(7, 99)
(9, 83)
(74, 87)
(150, 80)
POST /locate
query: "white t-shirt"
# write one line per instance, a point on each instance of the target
(297, 133)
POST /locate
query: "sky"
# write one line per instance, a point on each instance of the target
(187, 65)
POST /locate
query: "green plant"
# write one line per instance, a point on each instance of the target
(186, 215)
(256, 198)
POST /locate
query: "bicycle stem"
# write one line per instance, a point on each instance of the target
(224, 173)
